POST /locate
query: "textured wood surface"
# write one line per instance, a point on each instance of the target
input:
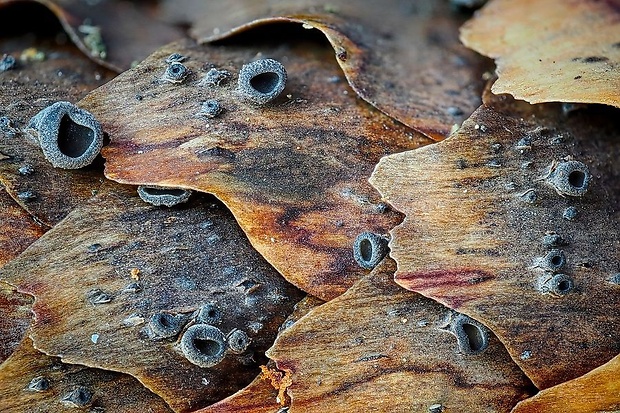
(402, 57)
(265, 394)
(15, 317)
(114, 34)
(481, 209)
(380, 348)
(109, 391)
(293, 173)
(565, 51)
(594, 392)
(45, 192)
(19, 229)
(100, 275)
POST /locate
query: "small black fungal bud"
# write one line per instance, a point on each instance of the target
(176, 72)
(78, 397)
(209, 314)
(165, 325)
(70, 137)
(261, 81)
(435, 408)
(472, 336)
(38, 384)
(26, 196)
(210, 108)
(25, 170)
(238, 341)
(554, 260)
(203, 345)
(570, 213)
(175, 57)
(215, 77)
(369, 249)
(524, 143)
(570, 178)
(159, 196)
(134, 287)
(557, 285)
(6, 127)
(552, 239)
(454, 111)
(7, 63)
(529, 196)
(98, 296)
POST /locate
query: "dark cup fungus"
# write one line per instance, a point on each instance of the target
(472, 337)
(70, 137)
(203, 345)
(570, 178)
(369, 249)
(238, 341)
(159, 196)
(261, 81)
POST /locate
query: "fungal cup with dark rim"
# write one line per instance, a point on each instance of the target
(70, 137)
(261, 81)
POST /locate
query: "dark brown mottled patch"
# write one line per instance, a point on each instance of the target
(300, 164)
(180, 259)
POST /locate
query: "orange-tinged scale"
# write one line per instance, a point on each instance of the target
(551, 50)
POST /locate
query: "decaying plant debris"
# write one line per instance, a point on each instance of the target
(400, 341)
(596, 391)
(14, 318)
(114, 34)
(294, 173)
(488, 232)
(402, 57)
(562, 52)
(127, 272)
(31, 381)
(163, 298)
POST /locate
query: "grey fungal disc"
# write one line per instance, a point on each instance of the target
(176, 72)
(554, 260)
(210, 108)
(175, 57)
(369, 249)
(261, 81)
(570, 178)
(238, 341)
(203, 345)
(472, 336)
(38, 384)
(70, 137)
(78, 397)
(165, 325)
(556, 285)
(215, 77)
(209, 314)
(159, 196)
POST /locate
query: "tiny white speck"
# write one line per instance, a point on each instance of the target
(140, 151)
(94, 338)
(216, 30)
